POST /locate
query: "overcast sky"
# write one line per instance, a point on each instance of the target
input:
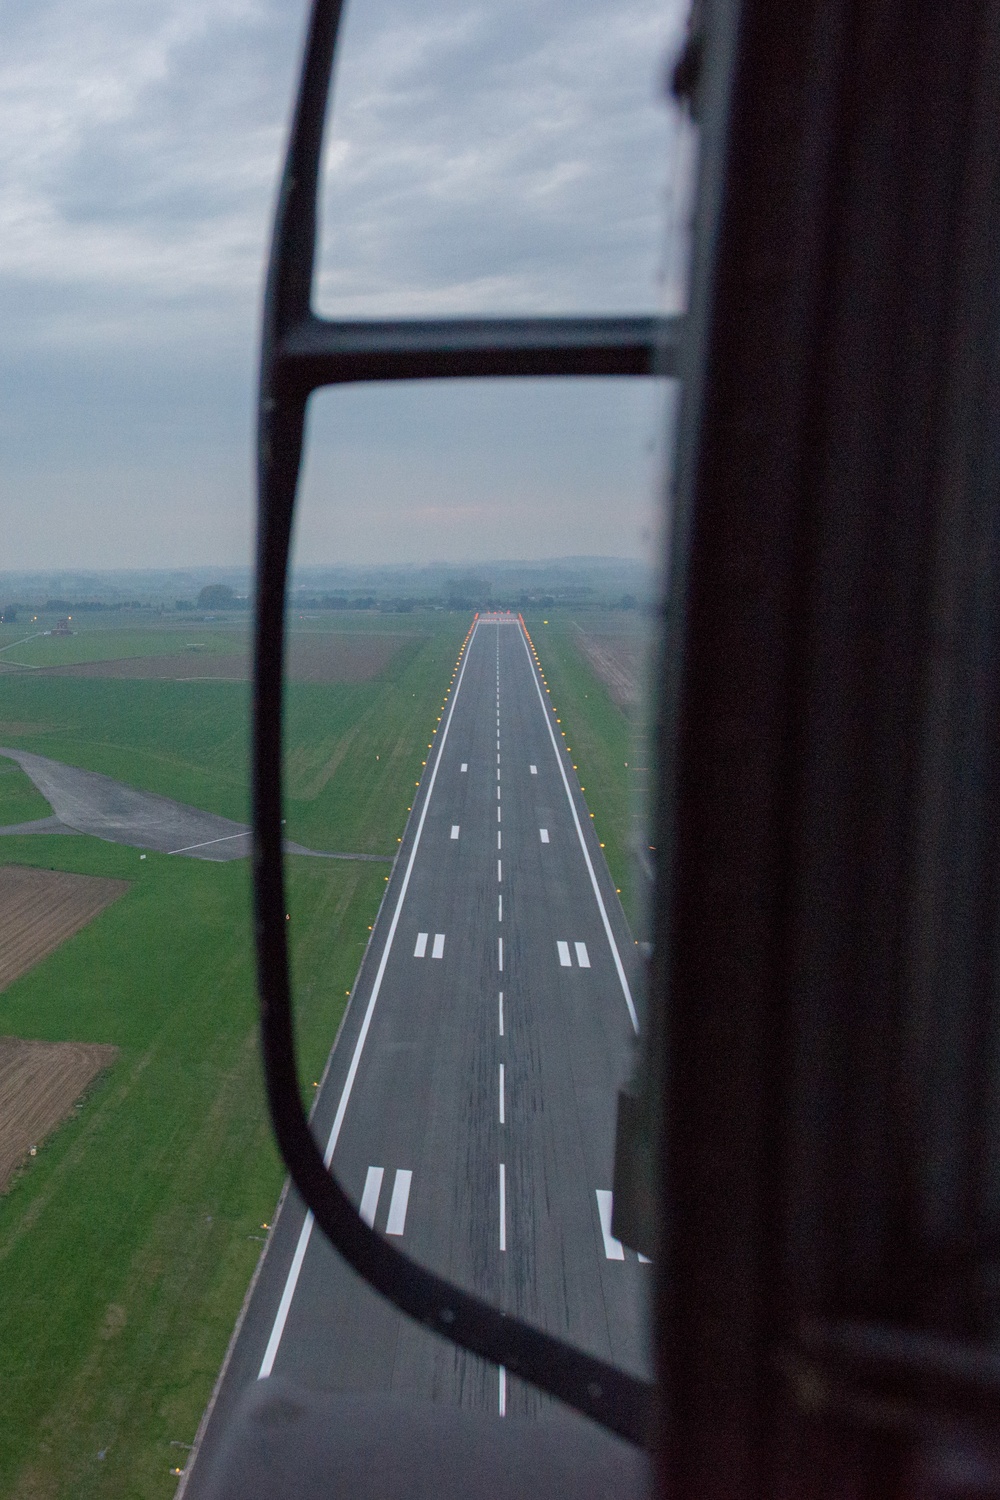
(491, 156)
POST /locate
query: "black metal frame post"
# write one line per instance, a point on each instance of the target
(301, 352)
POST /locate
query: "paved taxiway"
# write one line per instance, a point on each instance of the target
(470, 1100)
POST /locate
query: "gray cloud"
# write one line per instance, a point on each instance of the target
(480, 157)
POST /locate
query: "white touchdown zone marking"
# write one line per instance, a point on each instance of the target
(613, 1249)
(543, 834)
(563, 951)
(582, 956)
(454, 830)
(438, 949)
(503, 1207)
(623, 981)
(421, 947)
(295, 1269)
(397, 1203)
(370, 1196)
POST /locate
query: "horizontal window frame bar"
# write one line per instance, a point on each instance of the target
(317, 352)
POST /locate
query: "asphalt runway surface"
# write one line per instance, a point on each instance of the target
(87, 802)
(469, 1103)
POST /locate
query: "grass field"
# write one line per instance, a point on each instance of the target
(607, 745)
(20, 802)
(354, 749)
(127, 1244)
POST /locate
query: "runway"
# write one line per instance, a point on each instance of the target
(469, 1103)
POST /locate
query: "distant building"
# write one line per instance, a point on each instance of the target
(63, 628)
(8, 616)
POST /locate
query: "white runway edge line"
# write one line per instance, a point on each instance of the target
(295, 1269)
(226, 838)
(619, 966)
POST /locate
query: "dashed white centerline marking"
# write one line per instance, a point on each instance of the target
(564, 957)
(500, 952)
(465, 765)
(503, 1391)
(499, 845)
(421, 947)
(397, 1203)
(498, 819)
(533, 770)
(582, 956)
(438, 949)
(498, 757)
(454, 830)
(503, 1207)
(369, 1198)
(543, 834)
(498, 790)
(500, 908)
(500, 1007)
(613, 1249)
(498, 770)
(502, 1120)
(499, 870)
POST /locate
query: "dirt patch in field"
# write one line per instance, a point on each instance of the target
(41, 909)
(311, 658)
(619, 661)
(40, 1082)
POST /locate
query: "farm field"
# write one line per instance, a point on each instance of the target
(312, 657)
(353, 746)
(127, 1243)
(40, 1082)
(41, 909)
(582, 655)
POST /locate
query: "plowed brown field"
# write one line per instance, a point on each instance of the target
(323, 657)
(39, 909)
(618, 662)
(39, 1084)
